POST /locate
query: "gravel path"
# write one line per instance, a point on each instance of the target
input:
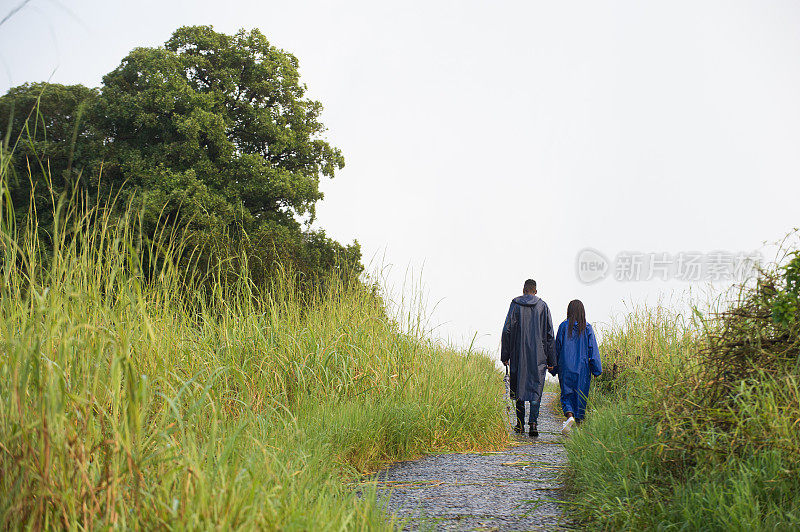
(515, 489)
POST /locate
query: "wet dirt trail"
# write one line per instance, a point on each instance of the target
(515, 489)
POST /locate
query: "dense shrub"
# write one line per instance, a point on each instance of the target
(704, 432)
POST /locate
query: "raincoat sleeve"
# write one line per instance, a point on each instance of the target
(594, 352)
(549, 341)
(509, 333)
(559, 345)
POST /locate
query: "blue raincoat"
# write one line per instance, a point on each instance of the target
(578, 359)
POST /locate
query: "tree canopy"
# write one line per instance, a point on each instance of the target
(212, 131)
(48, 128)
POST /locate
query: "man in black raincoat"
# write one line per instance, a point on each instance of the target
(528, 347)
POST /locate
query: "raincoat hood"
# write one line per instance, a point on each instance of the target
(527, 300)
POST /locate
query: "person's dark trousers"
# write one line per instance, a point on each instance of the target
(532, 417)
(520, 406)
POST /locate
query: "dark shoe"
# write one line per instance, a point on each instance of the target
(534, 432)
(519, 429)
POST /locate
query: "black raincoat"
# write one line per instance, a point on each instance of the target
(528, 345)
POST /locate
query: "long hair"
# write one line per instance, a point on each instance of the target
(576, 314)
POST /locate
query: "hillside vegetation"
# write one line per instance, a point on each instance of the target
(179, 348)
(133, 394)
(699, 427)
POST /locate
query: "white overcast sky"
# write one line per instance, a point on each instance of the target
(492, 141)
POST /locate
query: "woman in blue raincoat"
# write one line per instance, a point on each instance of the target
(578, 359)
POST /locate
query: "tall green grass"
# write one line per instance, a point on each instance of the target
(646, 341)
(135, 395)
(662, 449)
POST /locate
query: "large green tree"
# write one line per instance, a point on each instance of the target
(53, 145)
(219, 119)
(211, 131)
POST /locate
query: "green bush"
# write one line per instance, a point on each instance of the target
(786, 303)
